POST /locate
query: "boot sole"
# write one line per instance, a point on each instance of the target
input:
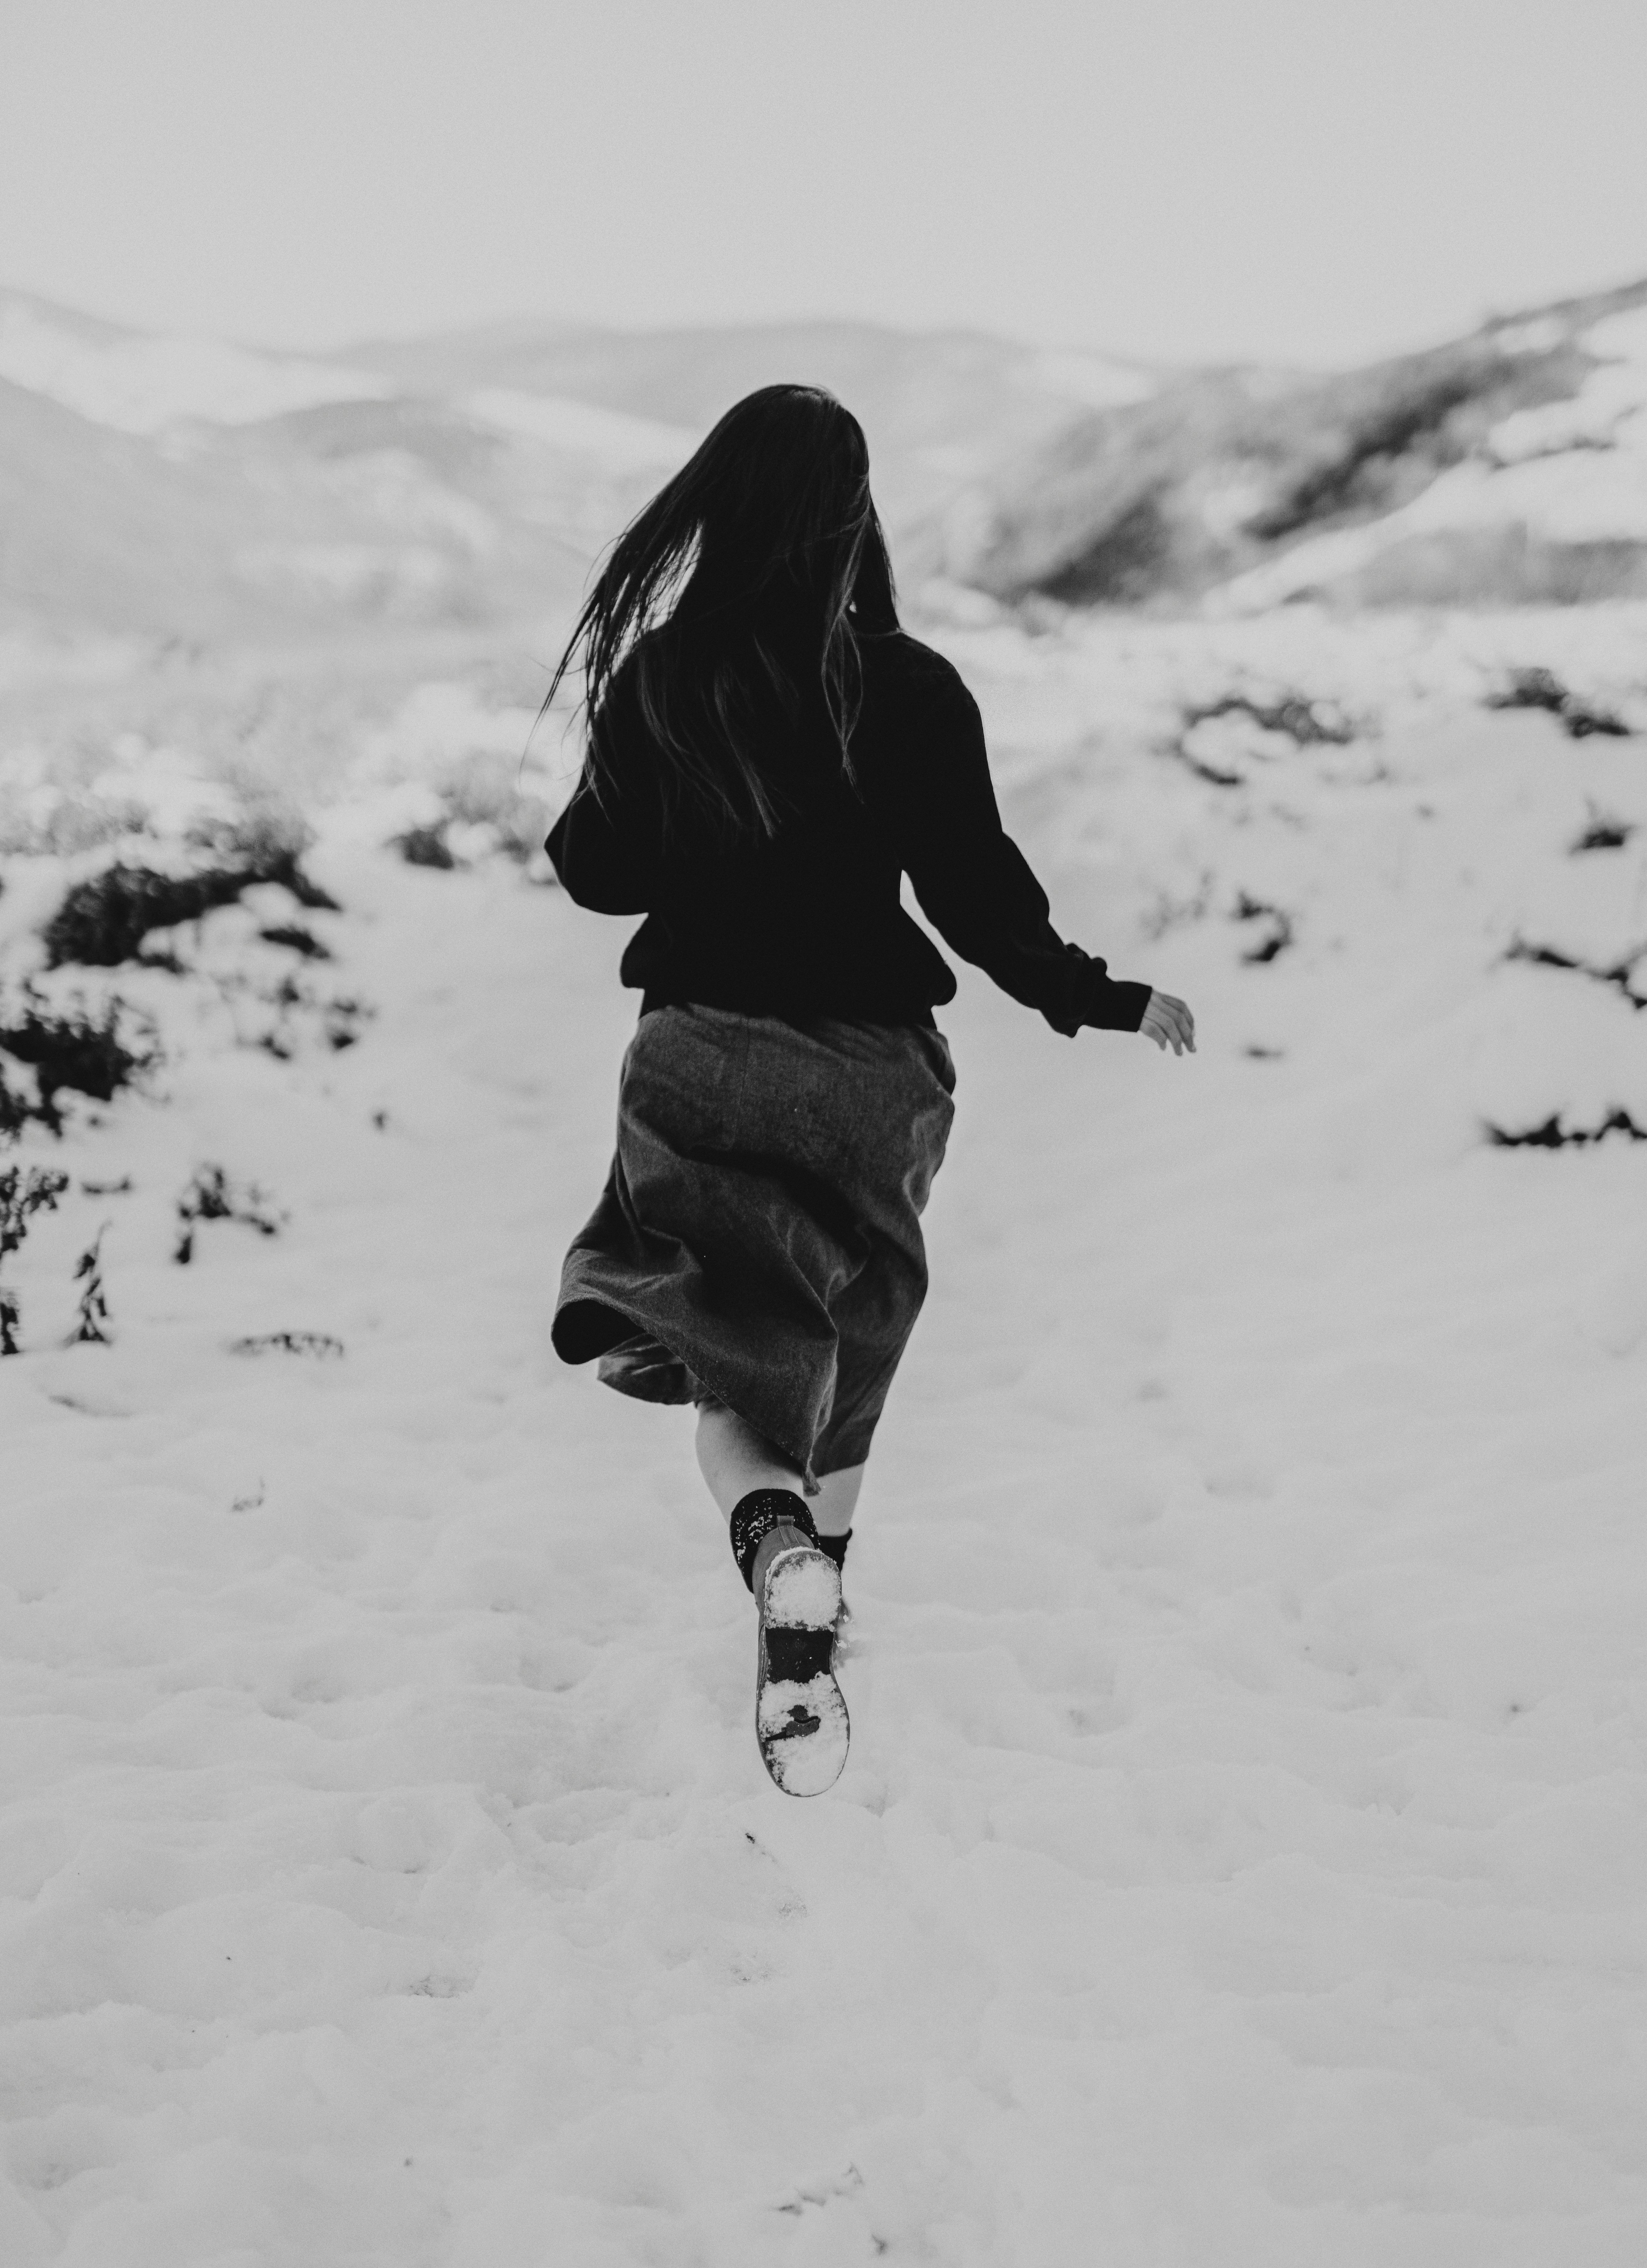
(801, 1718)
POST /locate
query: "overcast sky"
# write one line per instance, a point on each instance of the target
(1310, 179)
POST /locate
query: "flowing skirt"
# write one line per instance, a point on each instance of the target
(757, 1244)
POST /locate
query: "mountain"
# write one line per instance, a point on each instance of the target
(185, 488)
(1509, 464)
(189, 488)
(940, 407)
(182, 488)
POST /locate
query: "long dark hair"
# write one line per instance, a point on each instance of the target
(731, 607)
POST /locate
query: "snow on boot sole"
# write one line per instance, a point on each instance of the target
(799, 1715)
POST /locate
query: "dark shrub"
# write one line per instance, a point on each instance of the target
(321, 1345)
(23, 1191)
(425, 846)
(104, 921)
(1581, 718)
(1267, 948)
(92, 1316)
(300, 939)
(1619, 973)
(1310, 724)
(1531, 689)
(1604, 833)
(1541, 689)
(86, 1053)
(1552, 1135)
(212, 1195)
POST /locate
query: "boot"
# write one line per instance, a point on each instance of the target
(801, 1719)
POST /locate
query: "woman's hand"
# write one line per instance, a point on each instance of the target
(1169, 1023)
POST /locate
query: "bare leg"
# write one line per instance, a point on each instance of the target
(733, 1459)
(833, 1506)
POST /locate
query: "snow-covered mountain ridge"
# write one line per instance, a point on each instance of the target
(220, 491)
(1509, 466)
(183, 487)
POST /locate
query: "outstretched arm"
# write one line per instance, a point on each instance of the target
(975, 884)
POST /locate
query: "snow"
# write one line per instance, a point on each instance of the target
(1568, 472)
(1242, 1852)
(142, 384)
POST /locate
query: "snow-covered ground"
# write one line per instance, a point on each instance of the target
(1243, 1854)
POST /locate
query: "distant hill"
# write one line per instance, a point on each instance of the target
(186, 488)
(203, 490)
(940, 407)
(182, 488)
(1508, 466)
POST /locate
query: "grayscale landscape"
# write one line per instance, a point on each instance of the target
(1240, 1850)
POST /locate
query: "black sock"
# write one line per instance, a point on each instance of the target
(755, 1516)
(836, 1547)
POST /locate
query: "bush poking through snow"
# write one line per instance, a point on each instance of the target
(104, 921)
(425, 846)
(297, 939)
(90, 1327)
(1307, 723)
(1531, 689)
(1221, 739)
(212, 1195)
(340, 1018)
(1602, 832)
(1280, 936)
(1541, 689)
(320, 1344)
(1580, 720)
(1552, 1135)
(88, 1054)
(1546, 956)
(23, 1192)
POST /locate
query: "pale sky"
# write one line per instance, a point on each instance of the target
(1318, 180)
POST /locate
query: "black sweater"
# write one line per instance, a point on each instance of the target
(808, 922)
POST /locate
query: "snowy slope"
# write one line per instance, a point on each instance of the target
(260, 497)
(1504, 466)
(474, 478)
(1571, 475)
(1243, 1851)
(200, 491)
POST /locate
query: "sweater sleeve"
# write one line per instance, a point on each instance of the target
(977, 888)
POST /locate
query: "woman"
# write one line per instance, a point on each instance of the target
(767, 753)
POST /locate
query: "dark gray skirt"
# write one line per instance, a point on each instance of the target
(758, 1239)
